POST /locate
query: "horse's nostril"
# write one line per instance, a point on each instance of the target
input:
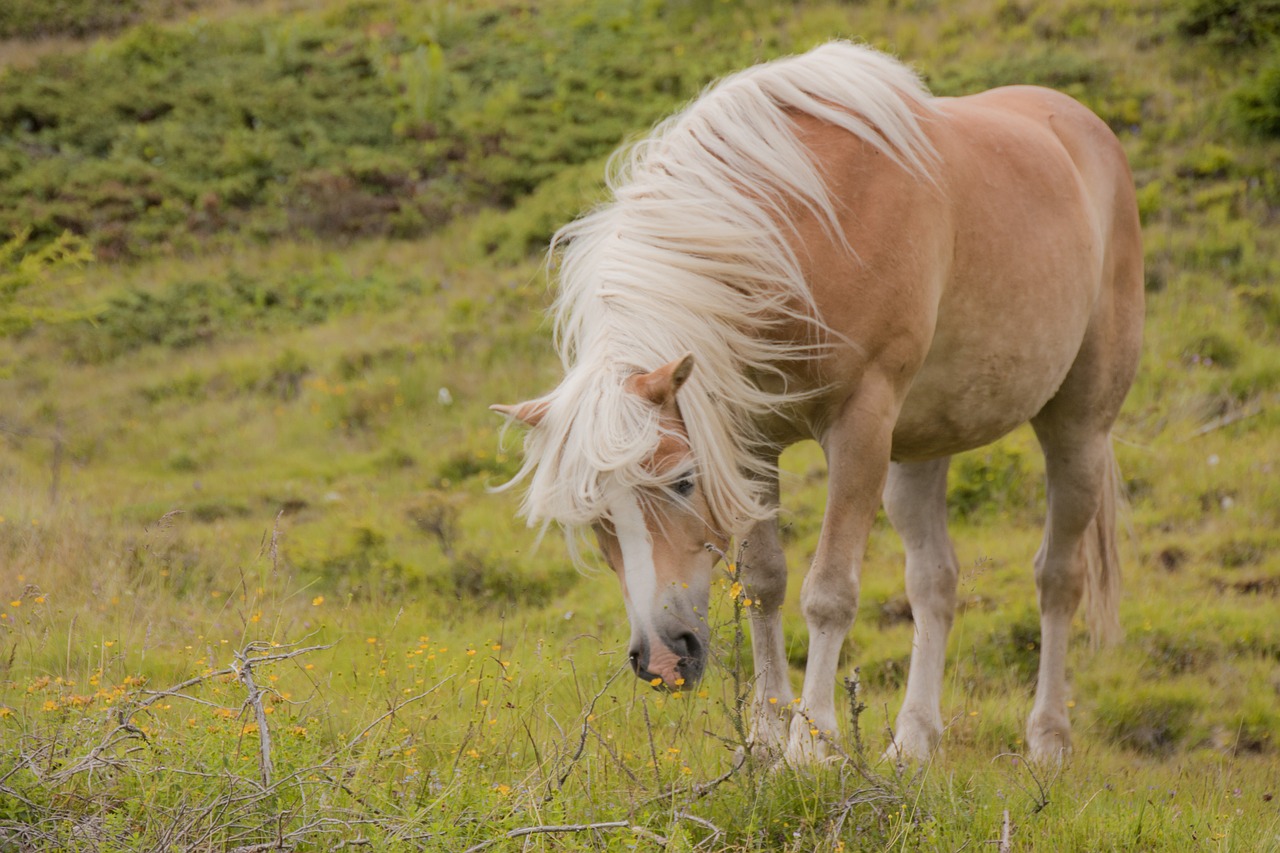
(687, 645)
(636, 663)
(690, 649)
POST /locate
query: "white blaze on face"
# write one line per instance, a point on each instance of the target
(637, 553)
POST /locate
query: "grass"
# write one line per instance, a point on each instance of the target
(245, 448)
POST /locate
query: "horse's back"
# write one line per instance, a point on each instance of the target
(1045, 244)
(1043, 125)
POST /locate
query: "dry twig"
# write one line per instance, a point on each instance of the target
(587, 716)
(561, 828)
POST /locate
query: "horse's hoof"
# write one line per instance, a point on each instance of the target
(760, 752)
(1048, 747)
(899, 754)
(909, 747)
(808, 745)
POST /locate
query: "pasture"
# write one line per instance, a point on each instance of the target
(264, 268)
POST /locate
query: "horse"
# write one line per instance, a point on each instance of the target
(818, 248)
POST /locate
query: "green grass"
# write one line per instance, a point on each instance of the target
(38, 18)
(259, 415)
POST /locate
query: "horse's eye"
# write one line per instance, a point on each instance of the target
(683, 488)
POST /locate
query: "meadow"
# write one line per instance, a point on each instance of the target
(263, 267)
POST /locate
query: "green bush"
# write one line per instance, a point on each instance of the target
(23, 266)
(377, 119)
(485, 582)
(989, 482)
(1210, 160)
(1257, 102)
(464, 465)
(1154, 720)
(37, 18)
(1057, 69)
(1212, 349)
(1261, 306)
(1231, 23)
(1012, 649)
(191, 313)
(364, 568)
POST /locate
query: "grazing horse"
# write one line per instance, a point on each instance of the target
(817, 248)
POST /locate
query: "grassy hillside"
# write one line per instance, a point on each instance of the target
(263, 270)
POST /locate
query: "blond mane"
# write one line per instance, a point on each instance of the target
(691, 255)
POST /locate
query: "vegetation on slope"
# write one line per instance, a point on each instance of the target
(262, 272)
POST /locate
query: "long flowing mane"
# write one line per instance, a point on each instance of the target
(691, 255)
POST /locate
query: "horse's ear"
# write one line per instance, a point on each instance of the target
(660, 386)
(529, 414)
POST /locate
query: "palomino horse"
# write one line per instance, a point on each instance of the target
(817, 248)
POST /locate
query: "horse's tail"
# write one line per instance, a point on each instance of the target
(1102, 561)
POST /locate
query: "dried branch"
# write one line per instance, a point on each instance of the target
(562, 828)
(424, 694)
(716, 831)
(586, 730)
(697, 790)
(1042, 786)
(616, 759)
(1228, 419)
(254, 700)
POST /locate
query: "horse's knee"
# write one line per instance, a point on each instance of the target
(830, 600)
(1060, 584)
(766, 580)
(763, 566)
(931, 589)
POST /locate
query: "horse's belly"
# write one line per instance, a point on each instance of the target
(943, 423)
(976, 387)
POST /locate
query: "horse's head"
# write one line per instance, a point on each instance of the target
(654, 530)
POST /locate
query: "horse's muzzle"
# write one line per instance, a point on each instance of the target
(672, 665)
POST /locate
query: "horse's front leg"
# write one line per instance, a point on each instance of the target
(763, 569)
(857, 447)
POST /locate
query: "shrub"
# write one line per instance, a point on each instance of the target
(1257, 102)
(466, 464)
(344, 125)
(486, 582)
(1261, 306)
(195, 312)
(990, 481)
(1212, 349)
(23, 266)
(1149, 719)
(1057, 69)
(1208, 161)
(1231, 23)
(36, 18)
(364, 568)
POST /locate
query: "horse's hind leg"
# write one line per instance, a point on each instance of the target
(915, 499)
(1076, 468)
